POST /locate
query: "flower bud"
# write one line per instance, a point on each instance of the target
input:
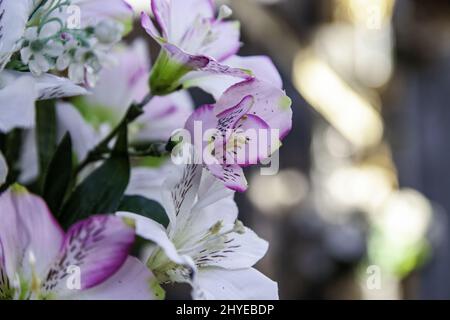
(108, 32)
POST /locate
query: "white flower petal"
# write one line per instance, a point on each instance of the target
(17, 104)
(147, 182)
(42, 62)
(153, 231)
(52, 87)
(54, 49)
(29, 163)
(25, 55)
(84, 137)
(13, 20)
(76, 72)
(244, 284)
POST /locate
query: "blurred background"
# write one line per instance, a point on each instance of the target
(360, 207)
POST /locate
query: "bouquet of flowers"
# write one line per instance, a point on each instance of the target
(100, 148)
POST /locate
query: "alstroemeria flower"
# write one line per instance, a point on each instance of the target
(38, 260)
(204, 245)
(192, 39)
(248, 123)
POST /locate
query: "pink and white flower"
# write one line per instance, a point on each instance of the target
(204, 245)
(192, 39)
(248, 123)
(38, 260)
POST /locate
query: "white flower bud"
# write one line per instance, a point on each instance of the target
(108, 32)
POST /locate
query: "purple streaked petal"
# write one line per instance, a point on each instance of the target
(231, 175)
(153, 231)
(13, 20)
(240, 250)
(99, 246)
(261, 68)
(202, 63)
(243, 284)
(230, 117)
(150, 28)
(203, 115)
(189, 61)
(84, 137)
(161, 11)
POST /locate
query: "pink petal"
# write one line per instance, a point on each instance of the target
(203, 115)
(95, 10)
(231, 175)
(163, 115)
(149, 27)
(131, 282)
(99, 246)
(202, 63)
(262, 68)
(271, 104)
(161, 11)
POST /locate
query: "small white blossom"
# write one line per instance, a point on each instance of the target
(40, 50)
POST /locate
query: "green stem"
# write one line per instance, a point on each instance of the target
(39, 6)
(98, 153)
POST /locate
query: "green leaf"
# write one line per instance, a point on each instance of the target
(45, 134)
(59, 175)
(145, 207)
(102, 191)
(10, 145)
